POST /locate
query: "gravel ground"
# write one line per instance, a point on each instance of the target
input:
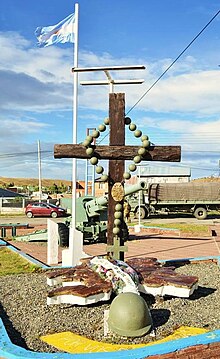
(27, 316)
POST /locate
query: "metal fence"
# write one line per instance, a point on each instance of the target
(20, 202)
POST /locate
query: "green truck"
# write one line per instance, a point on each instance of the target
(191, 197)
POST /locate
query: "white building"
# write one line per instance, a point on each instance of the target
(162, 174)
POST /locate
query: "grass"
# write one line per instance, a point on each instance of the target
(17, 214)
(13, 263)
(195, 229)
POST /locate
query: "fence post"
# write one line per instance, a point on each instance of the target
(3, 232)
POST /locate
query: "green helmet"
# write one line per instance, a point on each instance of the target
(129, 315)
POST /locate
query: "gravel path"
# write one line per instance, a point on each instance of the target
(27, 316)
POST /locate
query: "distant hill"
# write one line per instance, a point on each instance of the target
(18, 182)
(207, 179)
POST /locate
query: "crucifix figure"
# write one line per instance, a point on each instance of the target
(117, 153)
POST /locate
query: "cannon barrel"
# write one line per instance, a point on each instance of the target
(102, 201)
(135, 188)
(96, 205)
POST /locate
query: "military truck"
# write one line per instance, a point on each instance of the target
(192, 197)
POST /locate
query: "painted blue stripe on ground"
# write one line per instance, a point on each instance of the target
(28, 257)
(11, 351)
(3, 242)
(217, 258)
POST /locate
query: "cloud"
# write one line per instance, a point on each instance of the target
(192, 134)
(41, 80)
(20, 91)
(195, 93)
(14, 128)
(183, 108)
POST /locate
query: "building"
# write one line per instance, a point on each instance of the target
(164, 174)
(7, 194)
(149, 174)
(161, 174)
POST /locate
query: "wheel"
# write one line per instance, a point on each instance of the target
(143, 213)
(200, 213)
(54, 214)
(125, 232)
(63, 231)
(29, 214)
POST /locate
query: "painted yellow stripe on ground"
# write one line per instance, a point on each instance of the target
(76, 344)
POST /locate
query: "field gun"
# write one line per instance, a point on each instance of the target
(92, 215)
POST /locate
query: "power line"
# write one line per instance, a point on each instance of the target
(176, 59)
(168, 68)
(10, 155)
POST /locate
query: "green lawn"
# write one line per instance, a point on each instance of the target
(13, 263)
(195, 229)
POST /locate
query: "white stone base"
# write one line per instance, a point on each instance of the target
(182, 292)
(74, 299)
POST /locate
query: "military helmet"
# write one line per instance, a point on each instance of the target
(129, 315)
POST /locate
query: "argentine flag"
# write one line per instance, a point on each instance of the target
(62, 32)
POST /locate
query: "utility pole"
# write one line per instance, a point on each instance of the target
(39, 170)
(92, 180)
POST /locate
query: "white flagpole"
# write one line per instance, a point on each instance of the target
(75, 110)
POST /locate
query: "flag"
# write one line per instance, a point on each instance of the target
(62, 32)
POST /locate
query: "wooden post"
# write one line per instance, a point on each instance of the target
(116, 167)
(117, 153)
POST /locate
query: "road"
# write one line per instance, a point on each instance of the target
(165, 219)
(31, 221)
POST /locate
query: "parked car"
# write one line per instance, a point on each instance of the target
(44, 210)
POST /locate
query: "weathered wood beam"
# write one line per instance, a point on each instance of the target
(155, 153)
(116, 169)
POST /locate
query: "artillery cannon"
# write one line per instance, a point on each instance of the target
(91, 216)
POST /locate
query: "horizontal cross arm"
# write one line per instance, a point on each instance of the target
(154, 153)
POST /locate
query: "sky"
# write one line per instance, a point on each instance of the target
(183, 108)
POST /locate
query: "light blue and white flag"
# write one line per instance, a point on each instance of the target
(62, 32)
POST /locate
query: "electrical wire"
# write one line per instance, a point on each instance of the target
(174, 61)
(168, 68)
(11, 155)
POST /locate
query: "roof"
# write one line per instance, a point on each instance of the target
(149, 171)
(5, 193)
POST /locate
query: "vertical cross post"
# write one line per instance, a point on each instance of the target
(116, 167)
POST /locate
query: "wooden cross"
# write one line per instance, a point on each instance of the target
(117, 249)
(117, 153)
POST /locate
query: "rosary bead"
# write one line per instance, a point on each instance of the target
(146, 143)
(127, 175)
(137, 159)
(99, 169)
(144, 137)
(137, 133)
(104, 178)
(89, 151)
(127, 120)
(118, 207)
(132, 127)
(102, 128)
(132, 167)
(94, 161)
(106, 121)
(95, 134)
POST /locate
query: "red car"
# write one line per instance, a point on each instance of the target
(44, 210)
